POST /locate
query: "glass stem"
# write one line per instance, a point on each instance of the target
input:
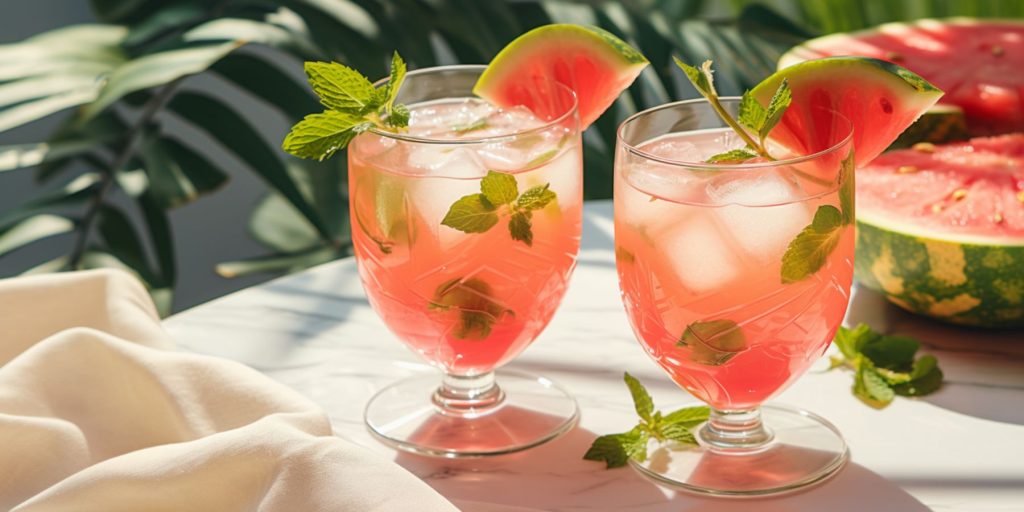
(468, 396)
(738, 431)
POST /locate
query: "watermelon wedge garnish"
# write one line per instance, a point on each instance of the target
(879, 98)
(592, 62)
(979, 63)
(941, 230)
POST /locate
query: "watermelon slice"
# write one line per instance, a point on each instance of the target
(979, 63)
(941, 230)
(592, 62)
(879, 98)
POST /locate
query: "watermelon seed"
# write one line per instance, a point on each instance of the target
(924, 147)
(907, 169)
(997, 218)
(1020, 196)
(959, 194)
(997, 50)
(893, 56)
(937, 207)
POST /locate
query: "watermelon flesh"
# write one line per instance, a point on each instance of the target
(590, 61)
(978, 63)
(879, 99)
(971, 191)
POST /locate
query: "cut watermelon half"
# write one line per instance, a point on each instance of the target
(592, 62)
(941, 229)
(979, 63)
(879, 98)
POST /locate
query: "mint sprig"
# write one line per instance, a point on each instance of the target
(499, 197)
(752, 115)
(615, 450)
(353, 105)
(884, 366)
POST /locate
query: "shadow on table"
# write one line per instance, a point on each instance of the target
(553, 476)
(984, 369)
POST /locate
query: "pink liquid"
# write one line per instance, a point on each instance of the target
(702, 251)
(466, 302)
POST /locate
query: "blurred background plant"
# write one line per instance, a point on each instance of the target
(141, 140)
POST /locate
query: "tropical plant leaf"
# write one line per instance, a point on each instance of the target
(157, 69)
(269, 83)
(36, 227)
(235, 134)
(294, 38)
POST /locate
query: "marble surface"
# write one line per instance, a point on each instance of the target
(961, 449)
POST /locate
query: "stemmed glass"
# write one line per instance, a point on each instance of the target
(466, 229)
(721, 299)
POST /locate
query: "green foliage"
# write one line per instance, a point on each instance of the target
(126, 71)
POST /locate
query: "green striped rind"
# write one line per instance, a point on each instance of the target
(963, 283)
(808, 49)
(832, 65)
(939, 125)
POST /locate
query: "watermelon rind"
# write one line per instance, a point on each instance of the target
(973, 281)
(939, 125)
(618, 64)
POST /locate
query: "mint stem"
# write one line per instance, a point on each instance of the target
(715, 104)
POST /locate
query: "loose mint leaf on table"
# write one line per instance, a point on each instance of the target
(884, 366)
(809, 251)
(615, 450)
(353, 104)
(499, 196)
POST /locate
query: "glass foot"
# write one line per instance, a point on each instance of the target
(804, 449)
(530, 411)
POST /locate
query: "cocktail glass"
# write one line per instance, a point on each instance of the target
(468, 298)
(700, 251)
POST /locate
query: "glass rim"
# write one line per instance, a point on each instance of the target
(703, 166)
(571, 111)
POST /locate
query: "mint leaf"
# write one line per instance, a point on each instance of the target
(499, 188)
(399, 117)
(679, 433)
(472, 299)
(851, 341)
(885, 365)
(751, 113)
(471, 214)
(616, 449)
(342, 88)
(847, 185)
(925, 378)
(871, 387)
(776, 108)
(536, 198)
(471, 126)
(892, 352)
(394, 83)
(688, 416)
(733, 156)
(713, 342)
(702, 79)
(642, 401)
(809, 251)
(521, 228)
(318, 136)
(541, 159)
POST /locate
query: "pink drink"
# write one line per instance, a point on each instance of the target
(466, 302)
(700, 250)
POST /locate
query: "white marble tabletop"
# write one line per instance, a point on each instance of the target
(961, 449)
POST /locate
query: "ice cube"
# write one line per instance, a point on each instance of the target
(564, 176)
(700, 255)
(763, 213)
(443, 119)
(450, 161)
(674, 149)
